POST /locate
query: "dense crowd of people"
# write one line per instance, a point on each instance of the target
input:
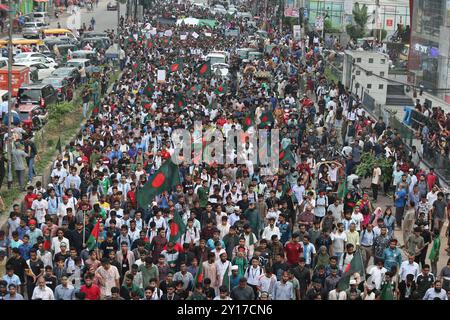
(296, 235)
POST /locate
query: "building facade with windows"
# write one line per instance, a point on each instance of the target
(429, 54)
(390, 13)
(365, 72)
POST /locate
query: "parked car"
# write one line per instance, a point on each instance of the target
(40, 94)
(86, 63)
(43, 17)
(86, 54)
(96, 43)
(32, 116)
(64, 89)
(33, 29)
(70, 73)
(43, 70)
(63, 50)
(93, 34)
(45, 60)
(28, 55)
(111, 6)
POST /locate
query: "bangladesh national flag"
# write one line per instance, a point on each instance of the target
(342, 190)
(199, 274)
(226, 278)
(136, 66)
(91, 244)
(204, 69)
(355, 266)
(180, 102)
(162, 180)
(286, 155)
(130, 40)
(266, 119)
(166, 41)
(249, 120)
(149, 90)
(177, 66)
(150, 43)
(221, 89)
(177, 227)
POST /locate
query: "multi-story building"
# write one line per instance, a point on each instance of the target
(390, 13)
(365, 72)
(429, 50)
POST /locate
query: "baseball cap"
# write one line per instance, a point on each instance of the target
(353, 281)
(32, 221)
(234, 268)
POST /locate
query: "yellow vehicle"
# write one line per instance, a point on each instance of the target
(59, 33)
(22, 42)
(26, 42)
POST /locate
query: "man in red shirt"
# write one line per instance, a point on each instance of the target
(29, 197)
(431, 179)
(293, 250)
(91, 290)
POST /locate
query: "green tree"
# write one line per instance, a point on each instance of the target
(360, 18)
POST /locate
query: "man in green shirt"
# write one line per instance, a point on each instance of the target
(148, 271)
(202, 193)
(129, 288)
(198, 293)
(254, 219)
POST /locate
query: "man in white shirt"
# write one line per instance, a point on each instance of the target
(40, 207)
(108, 276)
(267, 281)
(377, 274)
(42, 292)
(58, 241)
(337, 209)
(62, 208)
(409, 267)
(270, 230)
(299, 190)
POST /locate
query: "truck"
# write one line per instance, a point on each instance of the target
(20, 76)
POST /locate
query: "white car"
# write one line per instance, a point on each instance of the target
(44, 71)
(28, 55)
(47, 61)
(223, 68)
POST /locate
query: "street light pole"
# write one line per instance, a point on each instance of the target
(10, 63)
(118, 26)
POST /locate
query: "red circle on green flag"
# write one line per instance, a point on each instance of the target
(281, 154)
(203, 68)
(265, 119)
(173, 229)
(248, 121)
(174, 67)
(158, 180)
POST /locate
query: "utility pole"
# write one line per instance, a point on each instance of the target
(118, 26)
(10, 63)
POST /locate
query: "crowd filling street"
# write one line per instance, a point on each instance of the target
(210, 231)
